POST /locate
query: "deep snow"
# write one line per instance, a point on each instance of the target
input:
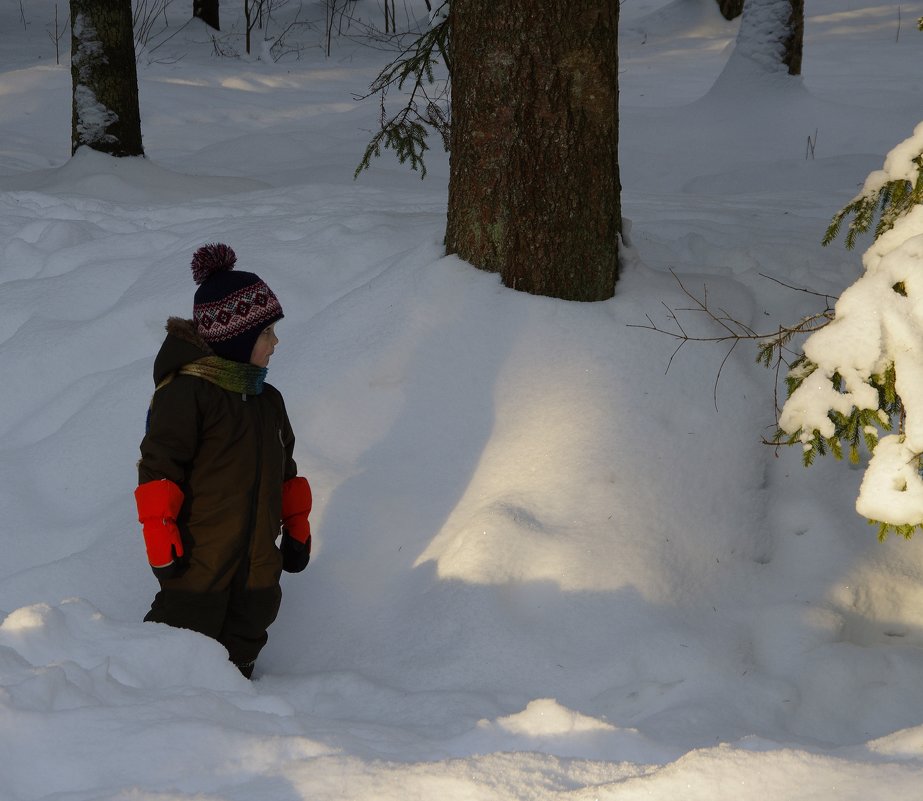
(544, 566)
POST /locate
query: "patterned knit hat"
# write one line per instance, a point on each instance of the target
(231, 307)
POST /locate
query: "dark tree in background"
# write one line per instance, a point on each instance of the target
(105, 80)
(534, 190)
(731, 9)
(207, 11)
(794, 38)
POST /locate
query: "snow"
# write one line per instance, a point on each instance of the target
(760, 49)
(545, 566)
(876, 328)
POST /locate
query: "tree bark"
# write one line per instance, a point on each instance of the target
(794, 38)
(105, 112)
(731, 9)
(207, 11)
(534, 190)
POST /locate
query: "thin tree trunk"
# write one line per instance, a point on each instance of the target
(247, 24)
(534, 190)
(794, 41)
(105, 112)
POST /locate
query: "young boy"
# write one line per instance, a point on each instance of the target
(216, 478)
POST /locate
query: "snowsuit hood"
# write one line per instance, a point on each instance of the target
(182, 346)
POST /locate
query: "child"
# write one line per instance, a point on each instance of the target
(216, 476)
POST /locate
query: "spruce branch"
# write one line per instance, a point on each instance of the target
(852, 431)
(890, 202)
(830, 402)
(405, 132)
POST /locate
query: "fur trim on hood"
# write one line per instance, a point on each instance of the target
(186, 330)
(182, 346)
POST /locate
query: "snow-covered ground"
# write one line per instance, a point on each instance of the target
(544, 568)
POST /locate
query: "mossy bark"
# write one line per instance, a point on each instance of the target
(105, 111)
(534, 191)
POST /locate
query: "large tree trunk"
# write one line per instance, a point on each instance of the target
(534, 190)
(105, 115)
(207, 11)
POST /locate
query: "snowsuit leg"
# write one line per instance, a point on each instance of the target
(237, 617)
(248, 615)
(184, 609)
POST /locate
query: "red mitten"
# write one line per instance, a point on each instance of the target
(296, 506)
(159, 503)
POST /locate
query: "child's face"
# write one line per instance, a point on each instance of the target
(265, 344)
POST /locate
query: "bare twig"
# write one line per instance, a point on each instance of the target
(144, 17)
(828, 299)
(812, 143)
(59, 31)
(773, 346)
(280, 47)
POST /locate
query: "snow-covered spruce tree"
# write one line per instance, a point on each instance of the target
(862, 373)
(105, 116)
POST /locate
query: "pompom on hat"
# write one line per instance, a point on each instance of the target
(231, 307)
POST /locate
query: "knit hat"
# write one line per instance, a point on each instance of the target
(231, 308)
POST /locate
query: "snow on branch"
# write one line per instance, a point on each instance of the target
(859, 372)
(863, 373)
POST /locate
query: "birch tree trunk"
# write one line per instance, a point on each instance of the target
(534, 190)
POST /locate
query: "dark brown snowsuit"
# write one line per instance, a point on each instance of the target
(229, 454)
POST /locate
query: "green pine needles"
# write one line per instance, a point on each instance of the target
(892, 200)
(406, 131)
(889, 196)
(859, 428)
(842, 366)
(904, 530)
(850, 431)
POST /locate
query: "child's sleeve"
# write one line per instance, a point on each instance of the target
(288, 443)
(173, 433)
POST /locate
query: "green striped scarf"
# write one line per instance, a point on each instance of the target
(247, 379)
